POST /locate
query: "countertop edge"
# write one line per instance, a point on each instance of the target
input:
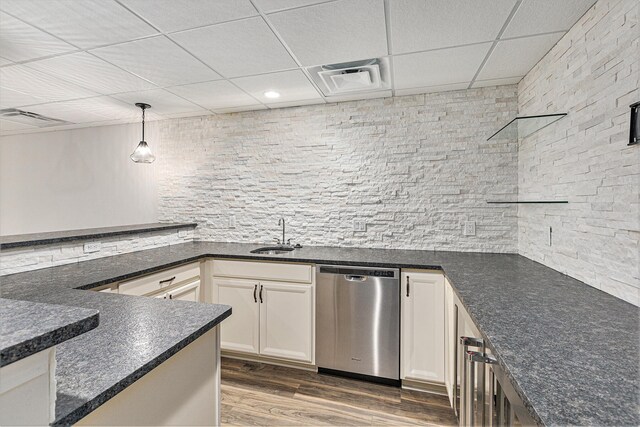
(51, 238)
(93, 404)
(42, 342)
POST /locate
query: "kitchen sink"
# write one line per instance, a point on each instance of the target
(273, 250)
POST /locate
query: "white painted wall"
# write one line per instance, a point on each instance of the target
(75, 179)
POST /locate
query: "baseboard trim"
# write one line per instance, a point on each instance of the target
(425, 386)
(269, 360)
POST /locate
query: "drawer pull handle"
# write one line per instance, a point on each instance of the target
(169, 280)
(408, 285)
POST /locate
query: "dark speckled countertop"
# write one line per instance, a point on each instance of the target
(48, 238)
(570, 350)
(29, 327)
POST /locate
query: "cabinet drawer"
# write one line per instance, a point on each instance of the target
(299, 273)
(154, 282)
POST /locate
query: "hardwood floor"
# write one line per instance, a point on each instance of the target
(255, 394)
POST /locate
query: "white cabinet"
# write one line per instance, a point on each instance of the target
(273, 309)
(188, 292)
(286, 323)
(240, 331)
(161, 281)
(422, 331)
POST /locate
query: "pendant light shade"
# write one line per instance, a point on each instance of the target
(142, 153)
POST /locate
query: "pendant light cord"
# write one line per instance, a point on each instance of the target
(143, 123)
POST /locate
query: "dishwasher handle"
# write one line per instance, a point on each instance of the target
(355, 278)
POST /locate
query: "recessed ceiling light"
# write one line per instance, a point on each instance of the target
(272, 94)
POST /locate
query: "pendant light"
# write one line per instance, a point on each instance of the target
(142, 153)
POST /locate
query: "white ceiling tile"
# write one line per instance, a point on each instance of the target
(340, 31)
(85, 23)
(421, 25)
(21, 42)
(432, 89)
(546, 16)
(177, 15)
(516, 57)
(237, 48)
(12, 98)
(68, 111)
(227, 110)
(158, 60)
(23, 79)
(496, 82)
(214, 95)
(161, 101)
(5, 61)
(357, 96)
(296, 103)
(189, 114)
(438, 67)
(291, 85)
(269, 6)
(7, 126)
(92, 73)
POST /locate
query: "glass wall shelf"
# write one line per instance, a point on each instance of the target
(527, 201)
(523, 126)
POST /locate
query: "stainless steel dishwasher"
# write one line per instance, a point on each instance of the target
(358, 322)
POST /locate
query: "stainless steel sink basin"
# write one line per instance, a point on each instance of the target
(273, 250)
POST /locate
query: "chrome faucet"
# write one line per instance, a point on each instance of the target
(281, 222)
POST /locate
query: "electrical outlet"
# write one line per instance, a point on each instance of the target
(92, 247)
(232, 221)
(470, 228)
(550, 236)
(359, 225)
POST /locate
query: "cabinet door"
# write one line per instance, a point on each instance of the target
(450, 341)
(422, 331)
(286, 321)
(188, 292)
(239, 332)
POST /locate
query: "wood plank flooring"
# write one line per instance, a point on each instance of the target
(256, 394)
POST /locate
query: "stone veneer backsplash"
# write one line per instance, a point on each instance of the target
(35, 257)
(413, 168)
(593, 74)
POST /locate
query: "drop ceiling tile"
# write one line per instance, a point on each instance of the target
(299, 103)
(358, 96)
(421, 25)
(177, 15)
(85, 23)
(214, 95)
(12, 98)
(21, 42)
(5, 61)
(23, 79)
(269, 6)
(158, 60)
(432, 89)
(8, 126)
(334, 32)
(237, 48)
(496, 82)
(253, 107)
(161, 101)
(92, 73)
(516, 57)
(67, 111)
(438, 67)
(546, 16)
(291, 85)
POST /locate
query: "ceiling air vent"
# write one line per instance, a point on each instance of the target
(352, 77)
(29, 118)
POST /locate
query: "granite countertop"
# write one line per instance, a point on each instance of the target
(569, 350)
(28, 327)
(36, 239)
